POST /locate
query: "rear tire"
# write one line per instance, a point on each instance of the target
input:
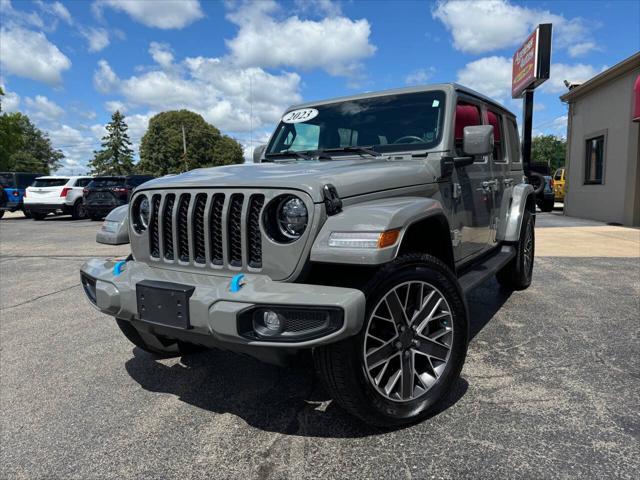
(547, 205)
(26, 213)
(1, 213)
(156, 345)
(360, 383)
(38, 215)
(79, 210)
(517, 274)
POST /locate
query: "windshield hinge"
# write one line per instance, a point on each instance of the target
(332, 202)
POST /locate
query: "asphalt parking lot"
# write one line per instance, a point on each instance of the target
(550, 389)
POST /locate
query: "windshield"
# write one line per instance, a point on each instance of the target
(6, 180)
(106, 182)
(50, 182)
(402, 122)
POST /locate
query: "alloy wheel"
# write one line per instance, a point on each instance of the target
(408, 340)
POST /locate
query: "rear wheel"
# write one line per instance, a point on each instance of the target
(547, 205)
(518, 272)
(38, 215)
(26, 213)
(79, 210)
(411, 347)
(1, 213)
(156, 345)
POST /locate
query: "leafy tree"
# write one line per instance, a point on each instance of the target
(116, 155)
(162, 146)
(24, 147)
(550, 150)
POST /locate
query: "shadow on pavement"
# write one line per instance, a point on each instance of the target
(483, 303)
(283, 400)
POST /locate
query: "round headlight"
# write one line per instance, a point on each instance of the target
(141, 213)
(292, 217)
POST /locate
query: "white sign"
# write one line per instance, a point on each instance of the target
(302, 115)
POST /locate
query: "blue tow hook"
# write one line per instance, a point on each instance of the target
(119, 267)
(236, 283)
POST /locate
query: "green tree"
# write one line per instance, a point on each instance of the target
(162, 146)
(550, 150)
(24, 147)
(116, 155)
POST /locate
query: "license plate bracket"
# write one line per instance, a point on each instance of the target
(164, 303)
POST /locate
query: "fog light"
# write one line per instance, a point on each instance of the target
(268, 323)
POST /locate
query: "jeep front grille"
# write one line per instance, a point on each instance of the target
(225, 228)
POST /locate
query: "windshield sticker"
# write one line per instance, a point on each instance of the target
(302, 115)
(435, 103)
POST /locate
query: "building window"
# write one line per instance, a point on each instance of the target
(594, 161)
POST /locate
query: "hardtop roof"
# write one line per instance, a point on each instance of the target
(447, 87)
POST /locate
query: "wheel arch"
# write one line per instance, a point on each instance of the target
(512, 210)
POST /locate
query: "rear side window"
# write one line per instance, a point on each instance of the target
(6, 180)
(82, 182)
(514, 141)
(50, 182)
(107, 182)
(467, 115)
(558, 175)
(495, 119)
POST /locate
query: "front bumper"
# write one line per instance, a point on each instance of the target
(214, 310)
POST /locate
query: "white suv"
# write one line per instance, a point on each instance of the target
(56, 194)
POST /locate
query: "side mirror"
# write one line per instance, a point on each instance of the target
(478, 140)
(257, 153)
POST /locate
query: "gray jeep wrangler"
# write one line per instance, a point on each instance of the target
(355, 237)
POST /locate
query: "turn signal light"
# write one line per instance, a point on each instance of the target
(388, 238)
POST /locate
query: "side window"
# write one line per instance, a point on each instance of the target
(594, 160)
(466, 115)
(82, 182)
(495, 119)
(558, 175)
(514, 142)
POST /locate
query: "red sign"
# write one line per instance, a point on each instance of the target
(524, 65)
(530, 65)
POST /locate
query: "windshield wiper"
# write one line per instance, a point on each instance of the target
(289, 153)
(352, 148)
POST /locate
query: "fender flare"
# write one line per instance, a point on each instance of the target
(373, 216)
(512, 211)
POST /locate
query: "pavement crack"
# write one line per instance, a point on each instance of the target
(38, 297)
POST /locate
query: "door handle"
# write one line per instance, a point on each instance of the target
(508, 182)
(489, 185)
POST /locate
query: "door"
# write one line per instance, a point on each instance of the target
(501, 181)
(473, 197)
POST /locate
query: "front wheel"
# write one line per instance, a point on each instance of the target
(153, 344)
(79, 211)
(410, 350)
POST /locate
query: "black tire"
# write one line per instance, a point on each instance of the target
(341, 365)
(79, 210)
(1, 213)
(157, 346)
(38, 215)
(517, 274)
(26, 213)
(547, 205)
(537, 181)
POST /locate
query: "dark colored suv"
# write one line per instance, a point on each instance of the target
(104, 194)
(12, 187)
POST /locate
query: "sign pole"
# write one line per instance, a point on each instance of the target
(527, 128)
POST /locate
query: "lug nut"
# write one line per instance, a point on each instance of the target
(416, 342)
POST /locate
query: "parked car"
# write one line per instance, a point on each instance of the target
(356, 238)
(12, 187)
(105, 193)
(558, 185)
(56, 194)
(542, 182)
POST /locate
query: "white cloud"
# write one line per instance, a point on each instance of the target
(77, 146)
(580, 49)
(18, 16)
(165, 14)
(104, 79)
(490, 76)
(98, 38)
(56, 9)
(335, 44)
(10, 100)
(232, 98)
(484, 26)
(320, 7)
(115, 105)
(29, 54)
(577, 73)
(420, 76)
(161, 54)
(43, 109)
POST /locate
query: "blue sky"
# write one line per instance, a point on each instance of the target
(69, 64)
